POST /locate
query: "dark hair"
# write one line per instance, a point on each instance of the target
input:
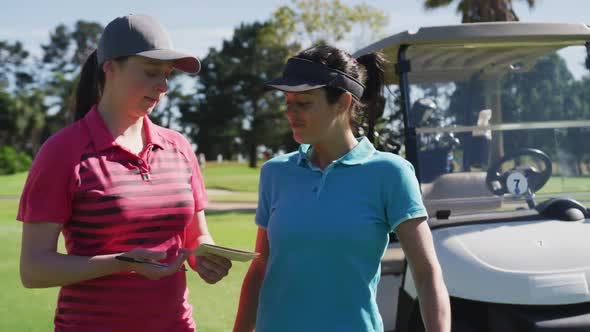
(368, 69)
(89, 86)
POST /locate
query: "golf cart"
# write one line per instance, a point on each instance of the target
(508, 195)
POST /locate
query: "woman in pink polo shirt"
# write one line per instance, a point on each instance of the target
(127, 195)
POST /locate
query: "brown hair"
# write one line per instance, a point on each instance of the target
(368, 69)
(89, 86)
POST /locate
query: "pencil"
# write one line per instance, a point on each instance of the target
(140, 261)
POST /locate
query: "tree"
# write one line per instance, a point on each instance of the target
(231, 97)
(68, 48)
(214, 114)
(6, 117)
(480, 11)
(12, 71)
(548, 92)
(232, 105)
(21, 120)
(538, 94)
(21, 100)
(486, 11)
(577, 140)
(11, 59)
(321, 21)
(62, 58)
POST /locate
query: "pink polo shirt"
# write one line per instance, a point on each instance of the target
(110, 200)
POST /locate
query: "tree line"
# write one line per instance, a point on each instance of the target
(225, 110)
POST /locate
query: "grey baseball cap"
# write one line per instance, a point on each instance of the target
(144, 36)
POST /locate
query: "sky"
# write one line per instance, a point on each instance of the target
(195, 26)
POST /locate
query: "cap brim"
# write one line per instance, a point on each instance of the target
(182, 61)
(293, 84)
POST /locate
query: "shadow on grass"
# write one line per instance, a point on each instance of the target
(239, 212)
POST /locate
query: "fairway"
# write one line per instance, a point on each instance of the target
(231, 176)
(558, 184)
(214, 306)
(12, 185)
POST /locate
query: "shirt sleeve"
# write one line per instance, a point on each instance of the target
(403, 196)
(262, 210)
(48, 192)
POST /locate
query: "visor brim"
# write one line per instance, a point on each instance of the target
(302, 75)
(293, 84)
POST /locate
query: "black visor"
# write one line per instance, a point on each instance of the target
(302, 75)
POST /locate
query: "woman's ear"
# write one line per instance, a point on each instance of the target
(344, 102)
(108, 67)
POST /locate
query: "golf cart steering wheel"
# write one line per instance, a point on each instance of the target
(497, 181)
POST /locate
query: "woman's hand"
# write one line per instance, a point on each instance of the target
(151, 271)
(212, 268)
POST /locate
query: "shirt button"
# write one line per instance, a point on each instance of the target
(140, 162)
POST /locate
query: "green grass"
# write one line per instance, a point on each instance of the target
(227, 175)
(250, 197)
(12, 185)
(558, 184)
(214, 306)
(21, 309)
(231, 176)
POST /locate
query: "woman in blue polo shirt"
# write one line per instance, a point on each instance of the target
(325, 211)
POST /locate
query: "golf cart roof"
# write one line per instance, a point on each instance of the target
(457, 52)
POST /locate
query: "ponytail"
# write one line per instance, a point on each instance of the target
(373, 101)
(88, 88)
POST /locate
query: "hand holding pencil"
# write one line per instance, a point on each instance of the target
(145, 262)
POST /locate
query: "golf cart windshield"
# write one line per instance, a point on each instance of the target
(529, 115)
(500, 112)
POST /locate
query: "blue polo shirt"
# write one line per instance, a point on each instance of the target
(327, 231)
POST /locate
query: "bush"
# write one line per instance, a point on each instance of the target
(12, 161)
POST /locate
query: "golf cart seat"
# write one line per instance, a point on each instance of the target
(460, 192)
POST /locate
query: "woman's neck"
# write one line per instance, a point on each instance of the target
(331, 149)
(126, 130)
